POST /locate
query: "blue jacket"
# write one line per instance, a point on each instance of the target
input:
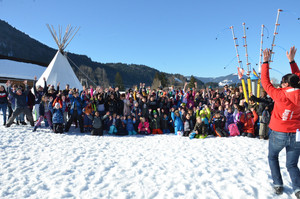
(177, 121)
(80, 103)
(129, 124)
(57, 114)
(229, 117)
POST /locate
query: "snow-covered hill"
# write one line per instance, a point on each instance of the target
(74, 165)
(222, 80)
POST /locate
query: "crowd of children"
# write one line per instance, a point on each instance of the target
(190, 112)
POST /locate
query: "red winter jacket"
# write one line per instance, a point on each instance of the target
(249, 124)
(286, 113)
(295, 69)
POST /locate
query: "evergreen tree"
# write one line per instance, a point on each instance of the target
(119, 82)
(156, 81)
(163, 79)
(192, 82)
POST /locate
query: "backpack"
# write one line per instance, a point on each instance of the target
(233, 130)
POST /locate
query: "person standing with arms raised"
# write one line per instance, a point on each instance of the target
(285, 120)
(21, 104)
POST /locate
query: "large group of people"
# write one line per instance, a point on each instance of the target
(191, 112)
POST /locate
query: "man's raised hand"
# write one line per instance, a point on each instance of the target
(291, 55)
(267, 55)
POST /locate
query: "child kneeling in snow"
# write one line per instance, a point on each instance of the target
(130, 125)
(219, 124)
(200, 129)
(58, 115)
(121, 126)
(144, 127)
(97, 123)
(188, 125)
(249, 125)
(112, 124)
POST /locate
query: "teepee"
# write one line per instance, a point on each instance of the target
(59, 70)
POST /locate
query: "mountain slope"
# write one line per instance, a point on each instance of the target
(222, 80)
(17, 44)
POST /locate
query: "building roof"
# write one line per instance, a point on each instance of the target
(20, 70)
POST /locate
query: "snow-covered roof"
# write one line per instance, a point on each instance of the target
(20, 70)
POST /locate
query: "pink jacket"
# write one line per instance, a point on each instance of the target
(143, 126)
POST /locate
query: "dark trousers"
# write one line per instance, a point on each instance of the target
(97, 131)
(186, 133)
(58, 128)
(250, 135)
(203, 129)
(10, 110)
(17, 112)
(75, 117)
(3, 107)
(221, 132)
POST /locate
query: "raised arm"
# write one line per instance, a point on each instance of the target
(291, 57)
(8, 84)
(275, 94)
(184, 88)
(208, 112)
(26, 88)
(34, 86)
(45, 85)
(57, 87)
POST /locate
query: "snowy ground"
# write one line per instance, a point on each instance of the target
(75, 165)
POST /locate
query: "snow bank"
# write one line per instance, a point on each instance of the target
(75, 165)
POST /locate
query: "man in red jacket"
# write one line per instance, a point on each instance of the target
(285, 120)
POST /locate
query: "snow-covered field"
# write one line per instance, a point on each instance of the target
(74, 165)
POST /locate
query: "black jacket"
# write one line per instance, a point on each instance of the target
(263, 103)
(3, 97)
(39, 94)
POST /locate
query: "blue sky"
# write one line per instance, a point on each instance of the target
(173, 36)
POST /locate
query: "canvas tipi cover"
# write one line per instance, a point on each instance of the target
(60, 71)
